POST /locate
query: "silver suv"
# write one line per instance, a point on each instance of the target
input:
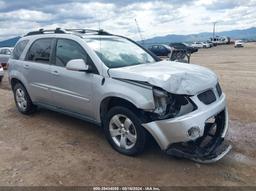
(114, 82)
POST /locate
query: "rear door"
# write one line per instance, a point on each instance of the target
(71, 90)
(37, 70)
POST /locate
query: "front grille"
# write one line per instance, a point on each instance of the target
(218, 88)
(207, 97)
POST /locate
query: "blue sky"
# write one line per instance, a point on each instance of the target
(155, 18)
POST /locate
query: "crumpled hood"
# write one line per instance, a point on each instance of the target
(174, 77)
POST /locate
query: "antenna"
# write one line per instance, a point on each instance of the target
(99, 24)
(213, 32)
(139, 31)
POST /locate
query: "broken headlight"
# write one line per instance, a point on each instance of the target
(161, 101)
(169, 105)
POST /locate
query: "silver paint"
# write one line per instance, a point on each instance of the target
(81, 94)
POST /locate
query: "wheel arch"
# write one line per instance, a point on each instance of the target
(14, 81)
(16, 76)
(111, 101)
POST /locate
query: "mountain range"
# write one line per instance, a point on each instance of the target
(9, 42)
(246, 34)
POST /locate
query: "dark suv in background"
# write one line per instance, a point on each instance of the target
(161, 50)
(182, 46)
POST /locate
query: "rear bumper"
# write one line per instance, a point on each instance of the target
(175, 130)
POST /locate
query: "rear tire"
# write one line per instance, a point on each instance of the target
(22, 100)
(124, 132)
(1, 78)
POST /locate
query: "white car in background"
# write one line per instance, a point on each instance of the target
(200, 45)
(239, 43)
(5, 53)
(1, 73)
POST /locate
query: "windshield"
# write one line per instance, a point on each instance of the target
(118, 52)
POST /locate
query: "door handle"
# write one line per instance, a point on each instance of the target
(55, 72)
(26, 66)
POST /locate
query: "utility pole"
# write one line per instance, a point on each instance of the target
(139, 31)
(213, 32)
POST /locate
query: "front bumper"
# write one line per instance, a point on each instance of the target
(173, 135)
(175, 130)
(209, 148)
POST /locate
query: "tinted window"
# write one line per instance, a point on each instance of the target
(178, 45)
(40, 51)
(67, 50)
(162, 48)
(155, 47)
(5, 51)
(19, 49)
(8, 52)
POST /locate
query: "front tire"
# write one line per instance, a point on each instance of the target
(22, 100)
(124, 132)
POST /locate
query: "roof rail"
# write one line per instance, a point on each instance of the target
(86, 31)
(43, 31)
(68, 31)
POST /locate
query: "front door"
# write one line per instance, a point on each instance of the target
(71, 90)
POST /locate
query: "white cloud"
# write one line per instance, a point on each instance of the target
(2, 5)
(26, 15)
(155, 18)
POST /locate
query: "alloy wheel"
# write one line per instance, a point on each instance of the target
(122, 131)
(21, 99)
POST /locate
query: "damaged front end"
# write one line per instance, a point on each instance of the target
(169, 105)
(191, 127)
(209, 148)
(184, 101)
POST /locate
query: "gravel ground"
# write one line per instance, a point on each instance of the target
(49, 148)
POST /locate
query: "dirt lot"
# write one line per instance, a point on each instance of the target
(48, 148)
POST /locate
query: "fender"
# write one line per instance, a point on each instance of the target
(15, 74)
(139, 96)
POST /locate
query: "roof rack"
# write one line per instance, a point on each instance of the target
(68, 31)
(86, 31)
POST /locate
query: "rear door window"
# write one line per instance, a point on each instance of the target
(40, 51)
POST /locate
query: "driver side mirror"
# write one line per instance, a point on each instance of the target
(77, 65)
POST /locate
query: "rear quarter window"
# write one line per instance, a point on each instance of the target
(19, 49)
